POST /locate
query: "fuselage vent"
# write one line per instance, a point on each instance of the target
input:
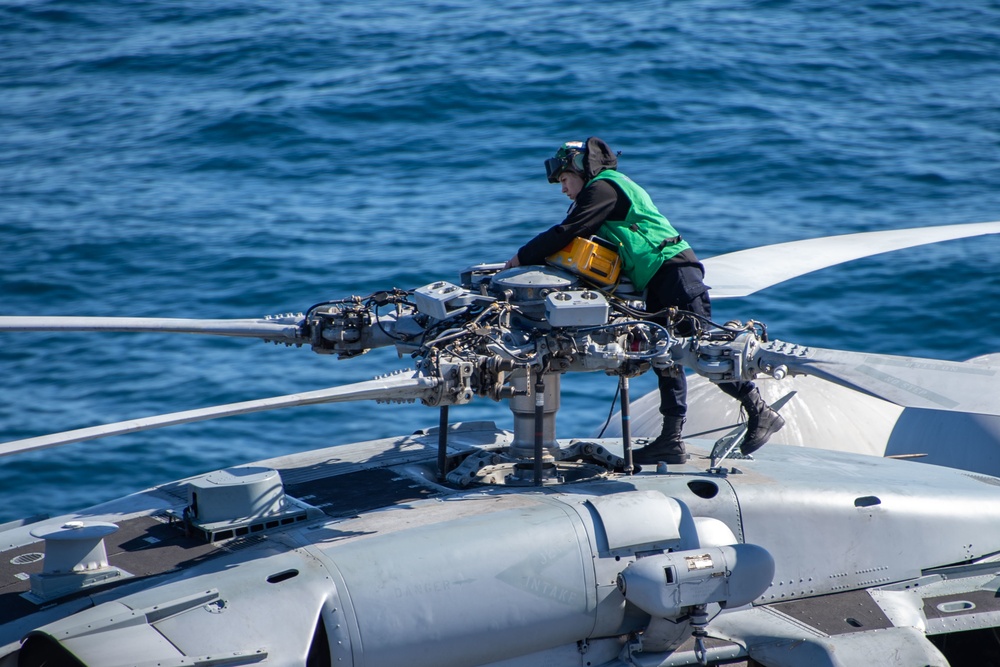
(237, 502)
(75, 558)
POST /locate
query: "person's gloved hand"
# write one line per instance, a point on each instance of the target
(512, 262)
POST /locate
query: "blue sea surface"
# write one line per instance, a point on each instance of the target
(244, 158)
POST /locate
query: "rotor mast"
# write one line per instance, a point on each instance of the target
(523, 405)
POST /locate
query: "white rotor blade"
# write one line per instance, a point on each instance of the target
(284, 329)
(744, 272)
(911, 382)
(402, 386)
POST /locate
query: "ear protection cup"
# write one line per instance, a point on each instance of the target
(569, 156)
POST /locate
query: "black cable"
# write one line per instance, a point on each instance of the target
(378, 322)
(618, 325)
(611, 413)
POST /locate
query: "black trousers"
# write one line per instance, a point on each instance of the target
(682, 286)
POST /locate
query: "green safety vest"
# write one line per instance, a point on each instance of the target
(645, 238)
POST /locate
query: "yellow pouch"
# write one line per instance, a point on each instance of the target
(595, 259)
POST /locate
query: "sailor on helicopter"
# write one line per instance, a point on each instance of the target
(608, 204)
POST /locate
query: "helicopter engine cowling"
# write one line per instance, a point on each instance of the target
(537, 571)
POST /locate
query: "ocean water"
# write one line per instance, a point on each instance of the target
(244, 158)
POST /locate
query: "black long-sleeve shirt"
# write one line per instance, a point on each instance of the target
(600, 201)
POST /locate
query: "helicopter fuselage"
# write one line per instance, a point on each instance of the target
(388, 566)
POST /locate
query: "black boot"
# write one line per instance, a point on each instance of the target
(667, 447)
(762, 421)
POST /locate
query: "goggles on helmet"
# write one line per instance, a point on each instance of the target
(569, 156)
